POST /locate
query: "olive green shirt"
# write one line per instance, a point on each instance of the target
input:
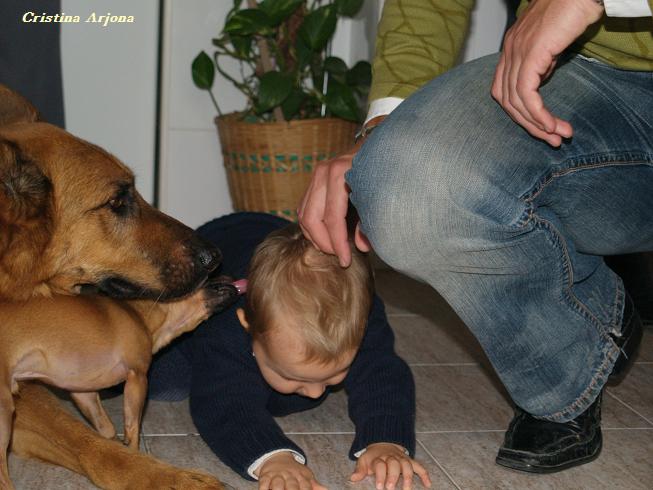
(418, 40)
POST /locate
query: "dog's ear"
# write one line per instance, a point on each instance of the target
(15, 108)
(24, 190)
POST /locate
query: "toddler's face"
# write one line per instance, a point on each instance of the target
(283, 364)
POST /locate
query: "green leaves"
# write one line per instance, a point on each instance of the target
(242, 46)
(203, 71)
(318, 27)
(296, 34)
(279, 10)
(247, 22)
(348, 8)
(360, 76)
(293, 104)
(340, 100)
(335, 67)
(274, 88)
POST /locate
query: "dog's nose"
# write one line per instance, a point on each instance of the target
(209, 256)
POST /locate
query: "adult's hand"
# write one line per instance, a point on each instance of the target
(543, 31)
(323, 209)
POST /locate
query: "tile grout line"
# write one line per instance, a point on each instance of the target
(446, 473)
(145, 444)
(417, 433)
(603, 429)
(627, 406)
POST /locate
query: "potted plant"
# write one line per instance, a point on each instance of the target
(302, 106)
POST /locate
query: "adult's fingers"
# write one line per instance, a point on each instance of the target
(360, 240)
(311, 212)
(335, 213)
(530, 78)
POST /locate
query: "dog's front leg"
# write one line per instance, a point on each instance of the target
(6, 416)
(45, 430)
(90, 405)
(133, 401)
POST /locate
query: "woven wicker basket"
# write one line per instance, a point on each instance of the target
(269, 165)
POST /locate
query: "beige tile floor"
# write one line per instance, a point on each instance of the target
(462, 411)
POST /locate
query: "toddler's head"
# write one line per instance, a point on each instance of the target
(305, 313)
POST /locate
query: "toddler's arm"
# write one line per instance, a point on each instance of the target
(228, 397)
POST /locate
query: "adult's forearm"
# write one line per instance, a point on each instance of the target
(417, 40)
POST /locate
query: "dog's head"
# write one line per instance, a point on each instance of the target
(70, 218)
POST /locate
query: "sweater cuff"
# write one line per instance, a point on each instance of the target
(260, 444)
(251, 471)
(385, 428)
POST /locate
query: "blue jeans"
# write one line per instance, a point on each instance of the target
(510, 231)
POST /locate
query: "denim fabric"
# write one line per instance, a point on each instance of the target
(510, 231)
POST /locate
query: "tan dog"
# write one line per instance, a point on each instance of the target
(84, 344)
(71, 220)
(70, 217)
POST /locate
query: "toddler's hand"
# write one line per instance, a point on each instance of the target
(282, 472)
(388, 462)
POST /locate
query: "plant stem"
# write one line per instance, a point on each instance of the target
(215, 102)
(265, 63)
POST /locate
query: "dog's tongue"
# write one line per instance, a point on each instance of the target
(240, 285)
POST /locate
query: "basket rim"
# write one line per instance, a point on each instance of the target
(231, 119)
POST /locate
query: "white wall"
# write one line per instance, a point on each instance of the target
(193, 182)
(109, 81)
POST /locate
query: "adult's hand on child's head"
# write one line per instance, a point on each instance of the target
(387, 462)
(530, 51)
(323, 210)
(283, 472)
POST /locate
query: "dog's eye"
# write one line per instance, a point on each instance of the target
(117, 204)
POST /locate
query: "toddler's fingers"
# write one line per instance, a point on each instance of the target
(278, 483)
(380, 470)
(292, 484)
(407, 472)
(360, 472)
(264, 483)
(316, 485)
(394, 471)
(422, 473)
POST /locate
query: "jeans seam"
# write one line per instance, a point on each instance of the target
(568, 275)
(530, 196)
(609, 351)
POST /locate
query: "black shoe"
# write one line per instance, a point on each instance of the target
(541, 446)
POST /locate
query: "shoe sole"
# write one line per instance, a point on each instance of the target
(531, 468)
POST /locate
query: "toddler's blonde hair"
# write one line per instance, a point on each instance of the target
(291, 280)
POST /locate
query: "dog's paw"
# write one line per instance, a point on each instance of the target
(220, 293)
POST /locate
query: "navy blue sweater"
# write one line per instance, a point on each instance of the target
(230, 402)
